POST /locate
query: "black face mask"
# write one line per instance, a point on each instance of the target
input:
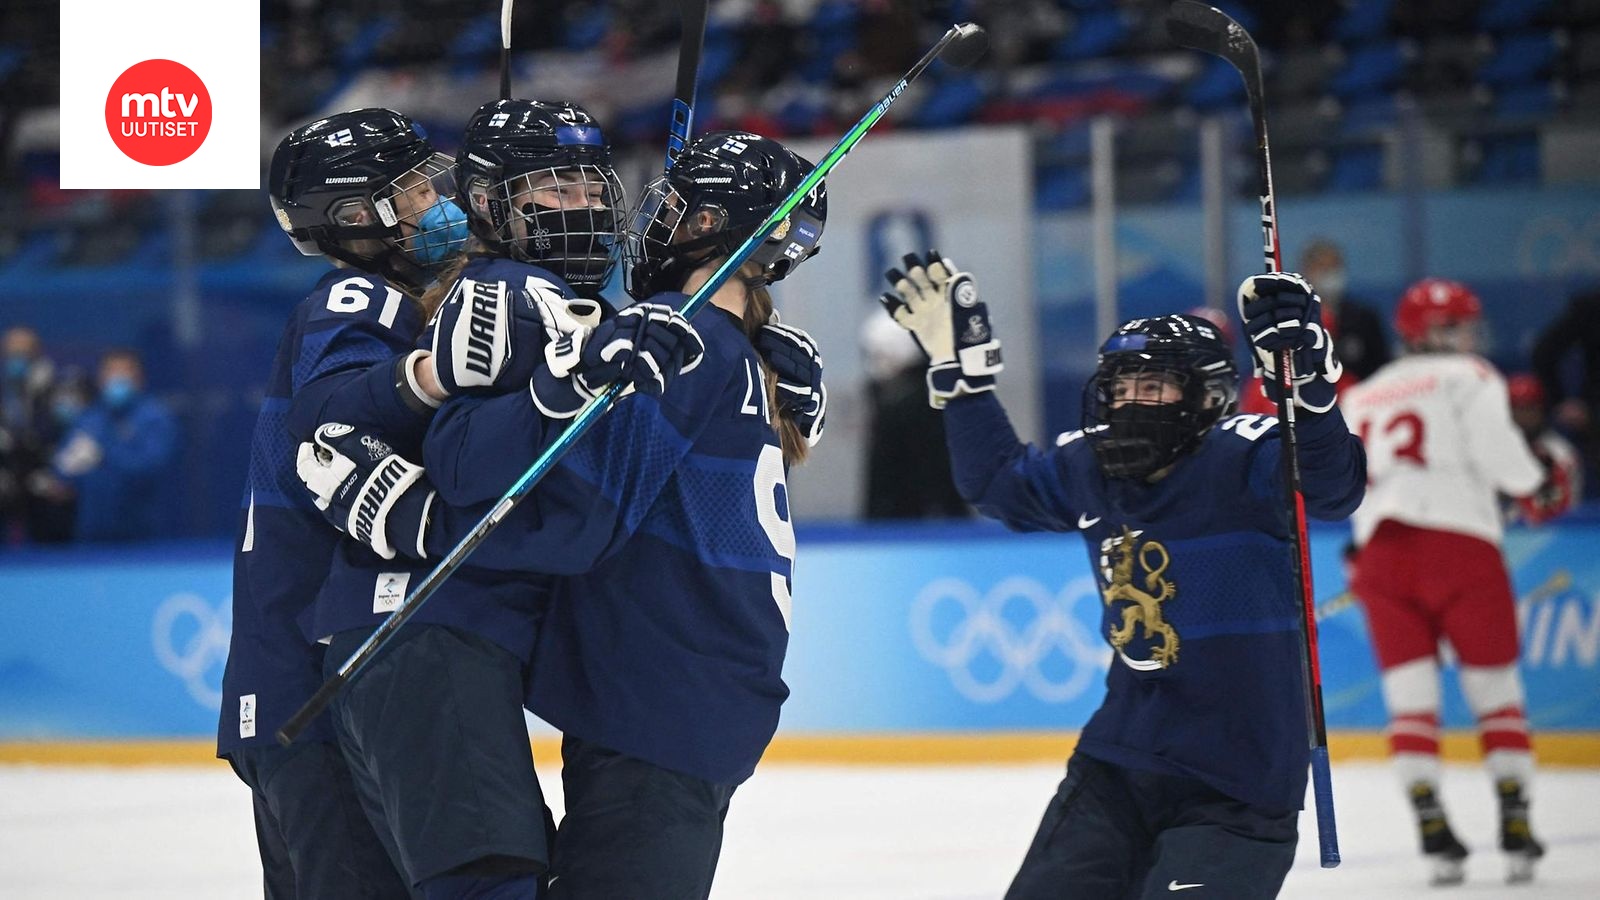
(575, 244)
(1140, 439)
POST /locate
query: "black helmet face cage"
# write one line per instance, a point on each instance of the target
(1141, 412)
(666, 239)
(562, 218)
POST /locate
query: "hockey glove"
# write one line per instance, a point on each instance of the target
(1551, 498)
(365, 489)
(645, 346)
(486, 334)
(794, 359)
(939, 305)
(1282, 312)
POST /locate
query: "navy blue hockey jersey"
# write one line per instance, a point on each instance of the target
(1196, 581)
(501, 604)
(335, 358)
(666, 639)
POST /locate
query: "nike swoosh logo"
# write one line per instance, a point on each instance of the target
(1173, 885)
(1084, 521)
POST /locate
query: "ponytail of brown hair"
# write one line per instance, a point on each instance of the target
(433, 297)
(758, 312)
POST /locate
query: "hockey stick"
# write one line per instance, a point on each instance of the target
(679, 130)
(1200, 27)
(505, 48)
(961, 46)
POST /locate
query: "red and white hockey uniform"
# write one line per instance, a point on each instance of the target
(1440, 446)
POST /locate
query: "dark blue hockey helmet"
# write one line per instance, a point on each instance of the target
(717, 193)
(364, 187)
(538, 186)
(1161, 384)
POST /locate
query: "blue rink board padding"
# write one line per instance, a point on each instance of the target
(957, 628)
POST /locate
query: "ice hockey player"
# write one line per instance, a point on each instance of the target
(357, 188)
(1563, 483)
(451, 783)
(1191, 773)
(660, 656)
(1441, 445)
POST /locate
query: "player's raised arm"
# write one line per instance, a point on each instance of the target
(1281, 310)
(1005, 479)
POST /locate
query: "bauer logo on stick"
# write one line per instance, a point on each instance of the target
(158, 112)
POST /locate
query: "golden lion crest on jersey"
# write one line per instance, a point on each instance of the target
(1143, 606)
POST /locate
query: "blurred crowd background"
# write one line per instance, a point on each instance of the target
(1455, 138)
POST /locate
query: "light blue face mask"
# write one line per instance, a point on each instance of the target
(441, 232)
(118, 392)
(17, 366)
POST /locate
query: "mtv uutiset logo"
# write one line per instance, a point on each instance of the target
(158, 112)
(161, 94)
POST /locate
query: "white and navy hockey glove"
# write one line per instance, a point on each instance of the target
(644, 346)
(366, 490)
(939, 305)
(796, 363)
(1281, 311)
(486, 332)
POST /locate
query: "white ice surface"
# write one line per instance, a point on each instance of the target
(804, 833)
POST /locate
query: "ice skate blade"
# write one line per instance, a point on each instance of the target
(1447, 872)
(1519, 868)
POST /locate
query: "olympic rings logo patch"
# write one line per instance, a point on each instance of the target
(190, 640)
(1017, 634)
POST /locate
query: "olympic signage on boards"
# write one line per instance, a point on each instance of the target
(959, 630)
(161, 94)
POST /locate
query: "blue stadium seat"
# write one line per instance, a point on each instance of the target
(358, 51)
(1529, 101)
(955, 99)
(1368, 114)
(1364, 20)
(1061, 188)
(1504, 15)
(1520, 58)
(1216, 86)
(1358, 168)
(1369, 70)
(588, 27)
(1097, 33)
(1508, 159)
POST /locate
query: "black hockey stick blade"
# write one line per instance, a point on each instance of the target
(681, 129)
(1205, 28)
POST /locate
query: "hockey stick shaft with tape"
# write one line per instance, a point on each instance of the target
(1200, 27)
(968, 37)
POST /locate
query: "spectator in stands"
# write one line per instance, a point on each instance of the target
(908, 472)
(1574, 406)
(1358, 331)
(118, 456)
(28, 434)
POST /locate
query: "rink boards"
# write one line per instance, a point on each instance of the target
(946, 644)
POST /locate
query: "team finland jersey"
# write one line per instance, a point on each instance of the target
(1440, 445)
(1196, 580)
(670, 518)
(327, 364)
(503, 605)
